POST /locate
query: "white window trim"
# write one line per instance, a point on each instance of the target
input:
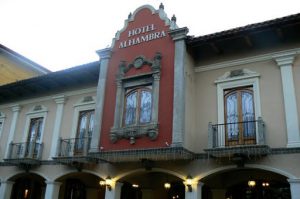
(2, 118)
(82, 106)
(35, 114)
(226, 82)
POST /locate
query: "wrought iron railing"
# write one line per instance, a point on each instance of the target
(73, 147)
(25, 150)
(236, 134)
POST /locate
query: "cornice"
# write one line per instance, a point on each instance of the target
(248, 60)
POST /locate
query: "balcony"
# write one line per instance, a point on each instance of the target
(73, 151)
(24, 154)
(240, 139)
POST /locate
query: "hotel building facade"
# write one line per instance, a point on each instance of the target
(161, 115)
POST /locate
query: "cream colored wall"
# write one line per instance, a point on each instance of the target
(21, 130)
(48, 102)
(296, 72)
(272, 110)
(5, 130)
(12, 71)
(239, 55)
(190, 102)
(69, 122)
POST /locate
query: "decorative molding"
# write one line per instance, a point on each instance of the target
(133, 132)
(179, 33)
(59, 99)
(86, 100)
(37, 109)
(118, 131)
(248, 60)
(104, 53)
(247, 78)
(139, 62)
(161, 13)
(235, 75)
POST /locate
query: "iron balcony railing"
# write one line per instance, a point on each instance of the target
(73, 147)
(25, 150)
(236, 134)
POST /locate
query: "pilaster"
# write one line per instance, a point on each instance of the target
(52, 190)
(60, 101)
(16, 110)
(115, 192)
(195, 193)
(295, 188)
(285, 62)
(179, 36)
(5, 189)
(104, 55)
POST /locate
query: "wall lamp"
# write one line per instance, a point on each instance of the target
(107, 182)
(188, 182)
(251, 183)
(167, 185)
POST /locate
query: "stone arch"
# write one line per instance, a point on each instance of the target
(120, 176)
(95, 173)
(20, 173)
(252, 166)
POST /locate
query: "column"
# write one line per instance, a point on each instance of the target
(5, 189)
(16, 110)
(295, 188)
(52, 190)
(285, 63)
(196, 192)
(115, 192)
(105, 55)
(156, 78)
(179, 35)
(60, 101)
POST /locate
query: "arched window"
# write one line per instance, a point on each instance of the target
(239, 115)
(138, 105)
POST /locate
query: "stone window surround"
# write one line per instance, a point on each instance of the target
(36, 112)
(118, 131)
(2, 118)
(81, 106)
(245, 77)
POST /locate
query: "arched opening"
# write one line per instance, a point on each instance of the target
(152, 184)
(28, 186)
(80, 185)
(245, 183)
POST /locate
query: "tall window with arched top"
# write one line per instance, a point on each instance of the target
(138, 106)
(239, 116)
(84, 130)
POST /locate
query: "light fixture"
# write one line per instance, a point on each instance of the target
(251, 183)
(26, 193)
(188, 182)
(135, 185)
(167, 185)
(265, 184)
(107, 182)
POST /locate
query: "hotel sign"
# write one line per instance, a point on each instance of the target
(141, 35)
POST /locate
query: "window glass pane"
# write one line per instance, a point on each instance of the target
(145, 107)
(91, 123)
(232, 116)
(35, 130)
(130, 111)
(248, 114)
(1, 124)
(39, 129)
